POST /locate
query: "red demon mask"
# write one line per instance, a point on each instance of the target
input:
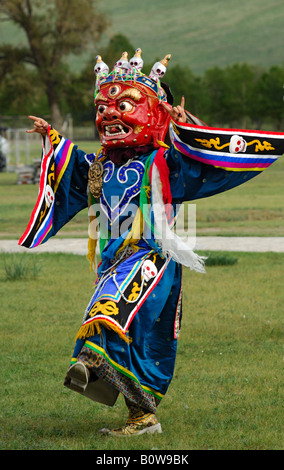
(130, 115)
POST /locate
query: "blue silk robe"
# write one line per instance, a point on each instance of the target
(136, 354)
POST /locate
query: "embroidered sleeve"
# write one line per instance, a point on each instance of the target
(62, 189)
(230, 149)
(204, 161)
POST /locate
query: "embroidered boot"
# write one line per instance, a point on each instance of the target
(138, 422)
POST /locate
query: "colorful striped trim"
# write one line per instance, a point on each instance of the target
(225, 161)
(43, 176)
(45, 229)
(61, 156)
(120, 368)
(62, 159)
(220, 130)
(212, 146)
(178, 315)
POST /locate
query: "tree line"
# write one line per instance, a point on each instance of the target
(36, 78)
(239, 95)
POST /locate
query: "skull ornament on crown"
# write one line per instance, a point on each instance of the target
(136, 62)
(100, 68)
(122, 65)
(129, 110)
(159, 68)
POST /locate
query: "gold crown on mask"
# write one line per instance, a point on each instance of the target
(126, 71)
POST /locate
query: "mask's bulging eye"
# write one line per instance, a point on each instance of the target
(125, 106)
(101, 108)
(113, 91)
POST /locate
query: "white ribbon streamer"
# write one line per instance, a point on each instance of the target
(170, 243)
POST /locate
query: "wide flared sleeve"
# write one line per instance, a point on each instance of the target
(204, 161)
(62, 189)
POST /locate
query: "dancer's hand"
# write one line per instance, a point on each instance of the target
(40, 126)
(177, 113)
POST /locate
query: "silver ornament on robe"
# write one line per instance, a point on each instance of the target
(159, 68)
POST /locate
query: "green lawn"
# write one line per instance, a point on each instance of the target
(226, 391)
(255, 208)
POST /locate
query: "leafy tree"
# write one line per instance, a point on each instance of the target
(80, 89)
(18, 88)
(116, 46)
(270, 91)
(53, 30)
(214, 86)
(183, 82)
(239, 93)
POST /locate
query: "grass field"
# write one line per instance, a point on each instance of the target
(253, 209)
(226, 391)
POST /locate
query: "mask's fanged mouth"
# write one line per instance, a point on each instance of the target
(116, 130)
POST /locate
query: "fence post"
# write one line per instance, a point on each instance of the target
(8, 154)
(17, 148)
(27, 146)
